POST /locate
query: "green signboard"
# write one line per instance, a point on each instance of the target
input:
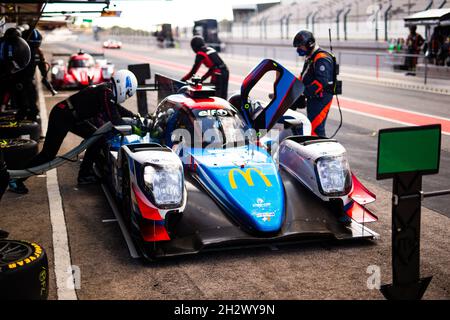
(409, 149)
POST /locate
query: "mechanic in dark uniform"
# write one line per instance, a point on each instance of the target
(24, 92)
(318, 78)
(14, 56)
(81, 114)
(217, 69)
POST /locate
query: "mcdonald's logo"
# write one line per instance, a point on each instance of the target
(247, 176)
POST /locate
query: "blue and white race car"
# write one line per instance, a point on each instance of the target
(211, 174)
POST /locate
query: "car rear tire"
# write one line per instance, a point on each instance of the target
(23, 271)
(17, 129)
(17, 153)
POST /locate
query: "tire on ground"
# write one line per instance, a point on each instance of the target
(17, 129)
(23, 271)
(18, 152)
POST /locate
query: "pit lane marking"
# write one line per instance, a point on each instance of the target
(61, 250)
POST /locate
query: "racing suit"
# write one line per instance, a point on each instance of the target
(81, 114)
(318, 78)
(24, 94)
(217, 70)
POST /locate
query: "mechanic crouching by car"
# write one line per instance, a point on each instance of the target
(81, 114)
(217, 69)
(318, 76)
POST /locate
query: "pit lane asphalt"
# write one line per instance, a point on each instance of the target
(302, 271)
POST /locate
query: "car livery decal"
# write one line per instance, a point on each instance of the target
(250, 188)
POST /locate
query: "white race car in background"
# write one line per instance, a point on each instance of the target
(112, 44)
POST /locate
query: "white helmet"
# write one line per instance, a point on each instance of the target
(125, 85)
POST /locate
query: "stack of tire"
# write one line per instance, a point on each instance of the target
(18, 140)
(23, 265)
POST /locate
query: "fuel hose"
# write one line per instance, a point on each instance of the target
(60, 160)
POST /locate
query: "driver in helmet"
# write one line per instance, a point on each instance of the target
(81, 114)
(217, 69)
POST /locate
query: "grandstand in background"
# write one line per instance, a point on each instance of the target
(369, 20)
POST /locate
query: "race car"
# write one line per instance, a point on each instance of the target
(112, 44)
(212, 174)
(80, 71)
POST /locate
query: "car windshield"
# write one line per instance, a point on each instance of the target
(86, 63)
(219, 128)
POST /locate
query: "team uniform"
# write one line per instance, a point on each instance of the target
(80, 114)
(14, 56)
(318, 78)
(24, 94)
(217, 70)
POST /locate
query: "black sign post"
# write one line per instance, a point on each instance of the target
(406, 154)
(406, 214)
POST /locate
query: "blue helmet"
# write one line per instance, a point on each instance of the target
(33, 37)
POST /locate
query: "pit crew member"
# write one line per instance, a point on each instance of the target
(14, 56)
(318, 76)
(81, 114)
(217, 69)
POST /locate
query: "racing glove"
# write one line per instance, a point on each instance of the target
(139, 131)
(140, 128)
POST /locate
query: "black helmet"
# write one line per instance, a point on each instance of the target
(197, 43)
(306, 39)
(33, 37)
(13, 32)
(14, 54)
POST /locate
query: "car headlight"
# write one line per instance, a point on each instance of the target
(334, 176)
(165, 183)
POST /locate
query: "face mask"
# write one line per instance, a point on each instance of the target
(302, 52)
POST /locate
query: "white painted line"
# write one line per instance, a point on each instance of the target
(42, 105)
(61, 251)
